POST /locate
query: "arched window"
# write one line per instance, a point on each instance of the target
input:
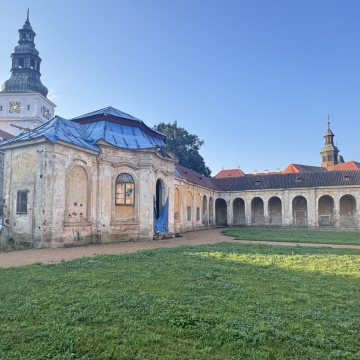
(324, 158)
(125, 190)
(329, 158)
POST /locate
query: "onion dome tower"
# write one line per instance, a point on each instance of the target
(23, 99)
(329, 153)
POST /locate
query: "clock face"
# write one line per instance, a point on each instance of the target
(14, 106)
(46, 112)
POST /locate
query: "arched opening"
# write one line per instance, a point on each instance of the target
(257, 211)
(326, 208)
(205, 214)
(198, 207)
(221, 212)
(238, 212)
(160, 197)
(211, 211)
(189, 205)
(176, 205)
(347, 211)
(275, 211)
(299, 207)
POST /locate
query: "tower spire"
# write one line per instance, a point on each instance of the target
(25, 69)
(329, 152)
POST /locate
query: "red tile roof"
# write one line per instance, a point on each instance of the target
(347, 165)
(229, 173)
(296, 168)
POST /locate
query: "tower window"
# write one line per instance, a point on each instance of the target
(329, 158)
(324, 158)
(21, 63)
(0, 107)
(28, 107)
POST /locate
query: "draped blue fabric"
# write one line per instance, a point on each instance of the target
(161, 224)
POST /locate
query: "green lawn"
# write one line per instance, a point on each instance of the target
(309, 236)
(222, 301)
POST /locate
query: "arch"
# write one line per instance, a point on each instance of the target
(211, 211)
(77, 195)
(275, 211)
(326, 210)
(329, 158)
(257, 211)
(189, 205)
(239, 211)
(347, 210)
(198, 207)
(324, 158)
(221, 212)
(124, 197)
(124, 190)
(205, 214)
(176, 204)
(159, 197)
(299, 210)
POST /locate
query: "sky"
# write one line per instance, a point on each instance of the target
(255, 79)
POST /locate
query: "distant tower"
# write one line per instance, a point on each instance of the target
(23, 99)
(330, 153)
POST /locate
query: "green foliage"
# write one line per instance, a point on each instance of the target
(299, 236)
(222, 301)
(185, 146)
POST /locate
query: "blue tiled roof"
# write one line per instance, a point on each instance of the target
(108, 111)
(57, 129)
(123, 136)
(87, 135)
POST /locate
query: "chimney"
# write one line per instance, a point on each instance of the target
(255, 172)
(278, 170)
(266, 171)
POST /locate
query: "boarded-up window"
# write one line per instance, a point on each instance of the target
(189, 213)
(197, 214)
(77, 194)
(125, 194)
(21, 202)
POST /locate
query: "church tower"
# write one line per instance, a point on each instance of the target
(23, 99)
(330, 153)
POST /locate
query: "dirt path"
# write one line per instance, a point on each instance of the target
(51, 256)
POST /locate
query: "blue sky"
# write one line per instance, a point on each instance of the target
(254, 79)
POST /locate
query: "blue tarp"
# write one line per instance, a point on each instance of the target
(87, 135)
(161, 224)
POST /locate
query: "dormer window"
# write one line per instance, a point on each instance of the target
(257, 182)
(346, 177)
(298, 178)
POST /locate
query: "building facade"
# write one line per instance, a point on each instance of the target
(106, 177)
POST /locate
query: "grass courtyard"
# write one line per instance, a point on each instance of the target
(299, 236)
(222, 301)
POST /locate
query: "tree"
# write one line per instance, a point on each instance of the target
(185, 146)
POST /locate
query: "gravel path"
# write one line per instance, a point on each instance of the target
(51, 256)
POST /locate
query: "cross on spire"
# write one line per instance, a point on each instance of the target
(328, 121)
(27, 19)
